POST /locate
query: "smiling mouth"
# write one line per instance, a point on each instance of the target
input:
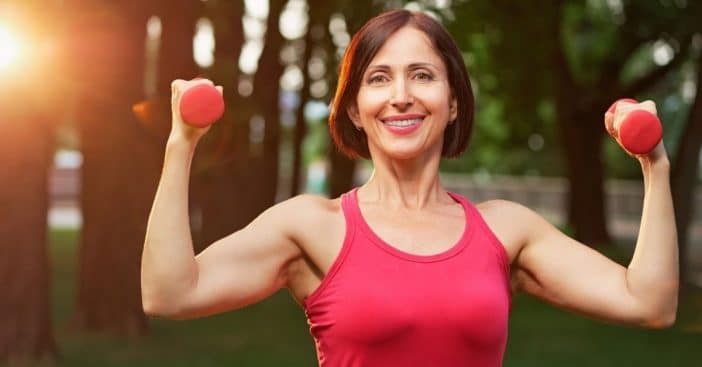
(403, 123)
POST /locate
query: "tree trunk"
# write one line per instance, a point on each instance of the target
(582, 146)
(685, 172)
(266, 99)
(176, 61)
(121, 164)
(221, 188)
(300, 124)
(316, 36)
(27, 129)
(25, 316)
(581, 135)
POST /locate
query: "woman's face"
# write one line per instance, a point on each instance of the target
(405, 102)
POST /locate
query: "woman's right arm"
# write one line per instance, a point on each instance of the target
(235, 271)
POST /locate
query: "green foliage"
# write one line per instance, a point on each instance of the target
(316, 141)
(513, 102)
(606, 46)
(589, 36)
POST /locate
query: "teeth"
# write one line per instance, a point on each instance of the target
(403, 123)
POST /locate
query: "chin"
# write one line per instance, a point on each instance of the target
(403, 153)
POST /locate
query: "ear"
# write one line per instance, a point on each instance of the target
(453, 110)
(352, 112)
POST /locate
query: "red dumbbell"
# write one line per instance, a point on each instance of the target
(201, 105)
(639, 130)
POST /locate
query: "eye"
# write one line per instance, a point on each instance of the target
(377, 79)
(423, 76)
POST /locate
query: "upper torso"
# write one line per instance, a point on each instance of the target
(322, 246)
(376, 282)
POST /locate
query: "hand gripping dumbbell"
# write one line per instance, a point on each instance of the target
(201, 105)
(639, 129)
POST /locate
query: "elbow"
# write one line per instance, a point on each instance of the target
(662, 321)
(152, 307)
(663, 317)
(662, 313)
(160, 300)
(150, 303)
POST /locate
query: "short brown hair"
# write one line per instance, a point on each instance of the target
(363, 47)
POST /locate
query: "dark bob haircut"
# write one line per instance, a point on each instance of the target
(364, 46)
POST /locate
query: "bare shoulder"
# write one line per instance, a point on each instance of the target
(511, 222)
(317, 226)
(307, 207)
(499, 207)
(306, 214)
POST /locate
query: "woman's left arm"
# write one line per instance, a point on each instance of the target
(653, 274)
(564, 272)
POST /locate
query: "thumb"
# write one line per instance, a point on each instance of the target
(609, 124)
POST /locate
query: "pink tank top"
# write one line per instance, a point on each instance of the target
(380, 306)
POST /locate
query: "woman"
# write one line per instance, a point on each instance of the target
(400, 272)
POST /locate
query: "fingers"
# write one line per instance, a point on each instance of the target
(177, 82)
(179, 85)
(633, 125)
(624, 107)
(198, 81)
(609, 124)
(649, 106)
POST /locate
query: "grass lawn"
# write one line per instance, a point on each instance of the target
(274, 333)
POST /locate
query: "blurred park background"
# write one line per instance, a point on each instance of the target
(84, 116)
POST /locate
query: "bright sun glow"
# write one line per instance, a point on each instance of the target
(9, 48)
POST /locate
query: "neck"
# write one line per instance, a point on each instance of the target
(409, 184)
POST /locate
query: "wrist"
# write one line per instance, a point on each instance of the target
(177, 140)
(657, 164)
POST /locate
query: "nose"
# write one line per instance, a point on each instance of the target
(401, 96)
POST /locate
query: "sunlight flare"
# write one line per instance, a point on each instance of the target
(10, 48)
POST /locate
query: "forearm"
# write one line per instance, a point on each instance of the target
(168, 268)
(652, 275)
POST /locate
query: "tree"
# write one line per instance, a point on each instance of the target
(588, 54)
(219, 191)
(315, 37)
(25, 322)
(121, 162)
(685, 171)
(27, 118)
(265, 98)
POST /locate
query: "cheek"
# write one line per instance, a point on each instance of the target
(433, 97)
(370, 102)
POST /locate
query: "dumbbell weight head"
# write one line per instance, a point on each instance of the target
(639, 129)
(201, 105)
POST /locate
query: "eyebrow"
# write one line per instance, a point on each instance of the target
(414, 65)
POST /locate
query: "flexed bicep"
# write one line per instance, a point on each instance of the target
(574, 276)
(242, 268)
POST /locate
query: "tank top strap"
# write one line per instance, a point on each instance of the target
(348, 206)
(472, 216)
(476, 219)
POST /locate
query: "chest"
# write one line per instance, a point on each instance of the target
(398, 302)
(423, 233)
